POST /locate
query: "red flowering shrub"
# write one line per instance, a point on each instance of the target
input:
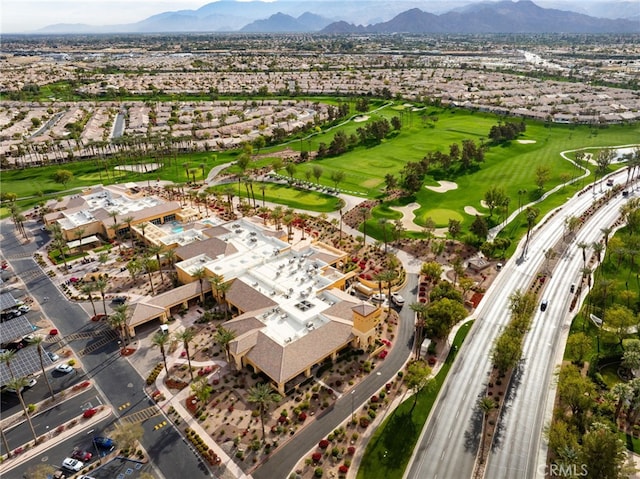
(343, 469)
(302, 416)
(316, 457)
(351, 450)
(323, 444)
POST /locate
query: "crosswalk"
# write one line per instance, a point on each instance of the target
(108, 336)
(31, 274)
(142, 415)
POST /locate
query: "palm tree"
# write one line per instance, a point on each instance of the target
(262, 395)
(116, 232)
(5, 444)
(128, 221)
(121, 312)
(200, 274)
(101, 285)
(531, 215)
(223, 337)
(150, 265)
(583, 246)
(186, 336)
(18, 384)
(170, 255)
(38, 340)
(156, 249)
(88, 289)
(597, 248)
(388, 276)
(486, 405)
(7, 357)
(78, 234)
(421, 310)
(276, 215)
(365, 214)
(160, 340)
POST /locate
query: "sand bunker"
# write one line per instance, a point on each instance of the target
(470, 210)
(408, 216)
(145, 168)
(444, 186)
(359, 119)
(526, 142)
(483, 203)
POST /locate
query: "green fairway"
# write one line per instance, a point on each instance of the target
(440, 216)
(285, 195)
(387, 456)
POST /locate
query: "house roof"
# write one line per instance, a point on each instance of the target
(246, 298)
(212, 247)
(283, 363)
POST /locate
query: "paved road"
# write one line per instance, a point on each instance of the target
(116, 379)
(282, 462)
(48, 420)
(449, 441)
(517, 447)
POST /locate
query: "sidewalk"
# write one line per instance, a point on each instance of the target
(227, 469)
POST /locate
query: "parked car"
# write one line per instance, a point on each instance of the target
(72, 464)
(81, 455)
(104, 442)
(64, 368)
(30, 383)
(24, 308)
(85, 477)
(53, 356)
(379, 297)
(119, 300)
(397, 299)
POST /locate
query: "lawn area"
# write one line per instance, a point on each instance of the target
(387, 456)
(285, 195)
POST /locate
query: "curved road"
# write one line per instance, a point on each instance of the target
(282, 462)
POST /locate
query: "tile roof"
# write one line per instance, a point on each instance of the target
(246, 298)
(212, 247)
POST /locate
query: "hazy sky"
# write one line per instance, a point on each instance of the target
(21, 16)
(24, 16)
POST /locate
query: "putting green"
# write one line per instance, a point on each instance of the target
(441, 216)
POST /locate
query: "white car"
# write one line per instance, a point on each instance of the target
(24, 308)
(379, 297)
(64, 368)
(53, 356)
(30, 383)
(397, 299)
(72, 464)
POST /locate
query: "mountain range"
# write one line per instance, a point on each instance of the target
(371, 16)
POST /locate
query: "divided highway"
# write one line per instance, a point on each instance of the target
(449, 441)
(516, 452)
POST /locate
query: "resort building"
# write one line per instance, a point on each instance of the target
(291, 312)
(111, 212)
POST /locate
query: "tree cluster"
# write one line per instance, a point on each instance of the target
(460, 159)
(507, 349)
(370, 134)
(504, 132)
